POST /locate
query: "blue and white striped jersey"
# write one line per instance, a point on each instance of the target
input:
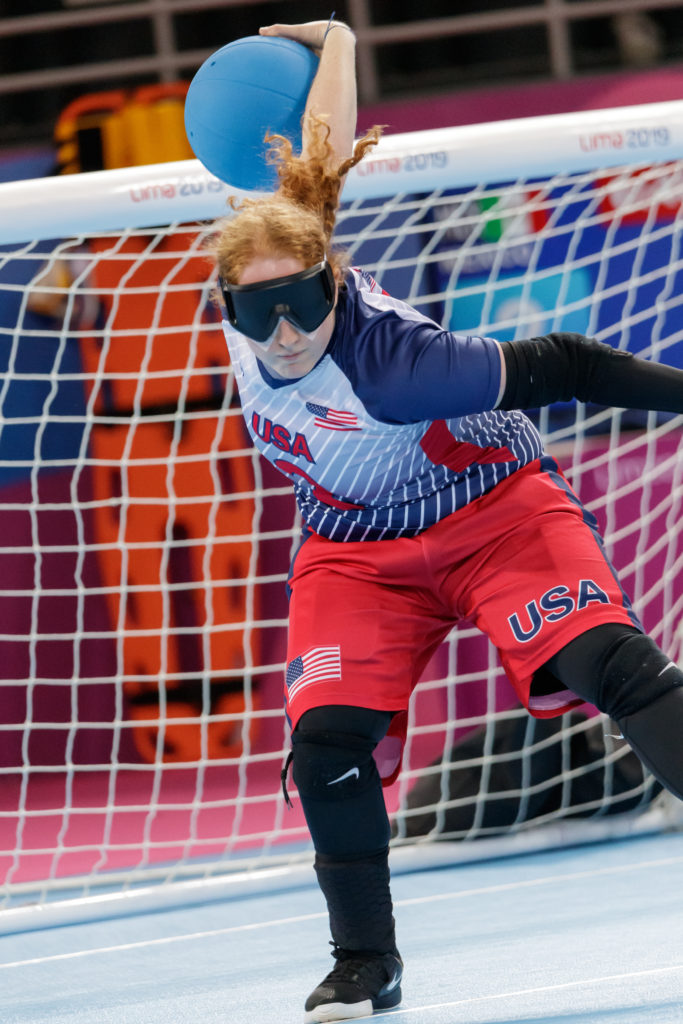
(393, 429)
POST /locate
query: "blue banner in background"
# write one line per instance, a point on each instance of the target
(533, 303)
(517, 262)
(42, 399)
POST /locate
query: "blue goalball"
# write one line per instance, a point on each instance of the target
(244, 90)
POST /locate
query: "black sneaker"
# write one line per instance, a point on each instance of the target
(357, 985)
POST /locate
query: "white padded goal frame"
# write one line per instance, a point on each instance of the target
(412, 162)
(428, 193)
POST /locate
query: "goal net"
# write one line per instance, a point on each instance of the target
(145, 546)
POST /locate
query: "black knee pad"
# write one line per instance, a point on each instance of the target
(341, 793)
(635, 674)
(615, 667)
(332, 766)
(624, 673)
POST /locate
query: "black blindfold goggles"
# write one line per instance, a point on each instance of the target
(303, 299)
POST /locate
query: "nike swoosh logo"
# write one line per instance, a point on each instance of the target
(347, 775)
(393, 983)
(667, 667)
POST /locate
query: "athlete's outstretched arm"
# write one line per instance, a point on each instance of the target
(562, 366)
(333, 92)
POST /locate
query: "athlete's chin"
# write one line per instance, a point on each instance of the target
(290, 367)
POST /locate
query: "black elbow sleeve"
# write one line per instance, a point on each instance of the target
(559, 367)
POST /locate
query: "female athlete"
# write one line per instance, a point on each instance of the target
(427, 499)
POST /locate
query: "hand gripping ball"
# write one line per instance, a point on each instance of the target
(244, 90)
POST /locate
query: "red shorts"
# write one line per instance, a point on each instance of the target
(524, 564)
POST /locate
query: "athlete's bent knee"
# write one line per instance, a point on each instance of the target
(636, 673)
(332, 766)
(615, 667)
(341, 792)
(625, 674)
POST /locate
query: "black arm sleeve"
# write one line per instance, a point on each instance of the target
(559, 367)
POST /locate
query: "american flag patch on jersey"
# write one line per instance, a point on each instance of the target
(319, 664)
(332, 419)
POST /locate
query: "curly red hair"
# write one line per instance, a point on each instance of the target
(298, 219)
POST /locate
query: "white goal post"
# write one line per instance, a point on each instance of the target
(145, 547)
(416, 161)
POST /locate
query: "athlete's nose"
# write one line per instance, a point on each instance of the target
(286, 334)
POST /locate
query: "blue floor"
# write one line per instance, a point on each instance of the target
(592, 935)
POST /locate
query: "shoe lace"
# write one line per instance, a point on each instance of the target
(368, 968)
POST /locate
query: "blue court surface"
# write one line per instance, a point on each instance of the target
(591, 934)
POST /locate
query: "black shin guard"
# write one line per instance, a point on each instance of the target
(359, 902)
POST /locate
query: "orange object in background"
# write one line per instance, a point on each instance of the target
(174, 538)
(86, 134)
(173, 501)
(104, 130)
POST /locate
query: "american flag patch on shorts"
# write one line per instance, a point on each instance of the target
(319, 664)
